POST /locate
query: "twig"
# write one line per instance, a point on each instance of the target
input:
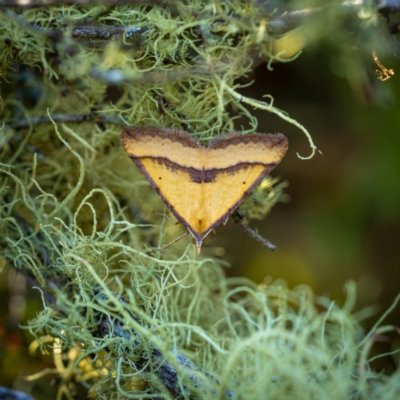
(25, 123)
(239, 218)
(288, 21)
(9, 394)
(291, 20)
(105, 32)
(99, 32)
(115, 328)
(277, 25)
(51, 34)
(47, 3)
(163, 369)
(119, 77)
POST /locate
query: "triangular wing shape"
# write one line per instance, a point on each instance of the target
(235, 165)
(202, 186)
(172, 161)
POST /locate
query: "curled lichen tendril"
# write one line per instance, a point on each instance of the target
(270, 108)
(79, 184)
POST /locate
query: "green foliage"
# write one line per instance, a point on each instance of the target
(77, 216)
(253, 339)
(263, 198)
(175, 71)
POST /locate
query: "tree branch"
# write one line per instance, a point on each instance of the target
(239, 218)
(277, 25)
(48, 3)
(115, 328)
(25, 123)
(291, 20)
(105, 32)
(288, 21)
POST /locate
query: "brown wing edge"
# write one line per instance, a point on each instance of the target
(175, 135)
(130, 132)
(200, 237)
(232, 138)
(166, 132)
(225, 140)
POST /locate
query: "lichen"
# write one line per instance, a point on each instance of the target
(81, 221)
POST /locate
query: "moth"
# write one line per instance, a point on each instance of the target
(202, 186)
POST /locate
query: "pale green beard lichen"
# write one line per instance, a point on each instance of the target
(79, 218)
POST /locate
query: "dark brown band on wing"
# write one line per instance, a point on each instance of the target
(231, 170)
(187, 140)
(173, 135)
(205, 175)
(199, 236)
(235, 138)
(196, 175)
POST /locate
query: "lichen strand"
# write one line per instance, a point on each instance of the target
(78, 218)
(259, 203)
(119, 320)
(173, 67)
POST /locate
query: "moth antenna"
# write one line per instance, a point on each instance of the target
(239, 219)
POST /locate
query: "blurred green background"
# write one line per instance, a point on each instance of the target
(343, 218)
